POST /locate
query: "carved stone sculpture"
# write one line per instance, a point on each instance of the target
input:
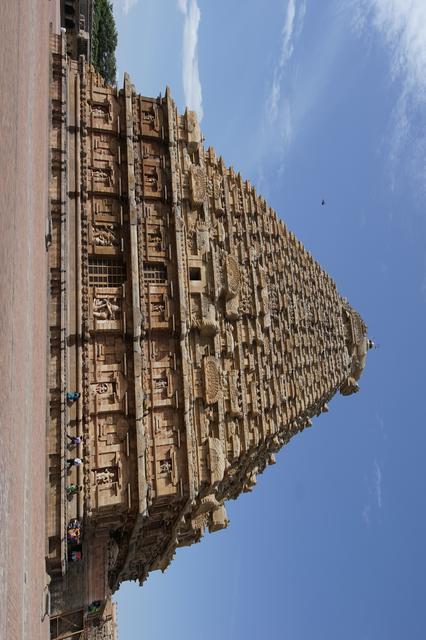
(209, 335)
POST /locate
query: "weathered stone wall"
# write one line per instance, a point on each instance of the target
(206, 336)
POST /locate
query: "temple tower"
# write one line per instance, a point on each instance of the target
(199, 331)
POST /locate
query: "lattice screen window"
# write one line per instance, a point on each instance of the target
(106, 273)
(154, 272)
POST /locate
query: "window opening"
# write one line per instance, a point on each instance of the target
(195, 273)
(106, 273)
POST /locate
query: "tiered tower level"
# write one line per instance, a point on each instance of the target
(201, 333)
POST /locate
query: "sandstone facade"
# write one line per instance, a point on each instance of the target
(199, 331)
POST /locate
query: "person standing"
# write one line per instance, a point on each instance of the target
(74, 462)
(72, 396)
(72, 489)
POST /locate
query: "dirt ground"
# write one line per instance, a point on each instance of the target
(24, 72)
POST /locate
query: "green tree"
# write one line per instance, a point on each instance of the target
(104, 40)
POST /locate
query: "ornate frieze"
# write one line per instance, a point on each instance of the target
(209, 335)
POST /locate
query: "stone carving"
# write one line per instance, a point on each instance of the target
(151, 178)
(120, 385)
(212, 384)
(186, 417)
(150, 118)
(104, 235)
(233, 277)
(207, 503)
(349, 387)
(158, 307)
(198, 184)
(246, 298)
(105, 308)
(203, 238)
(194, 133)
(233, 308)
(199, 523)
(103, 174)
(155, 240)
(217, 459)
(101, 109)
(105, 476)
(165, 465)
(161, 383)
(230, 342)
(234, 393)
(208, 325)
(122, 428)
(219, 519)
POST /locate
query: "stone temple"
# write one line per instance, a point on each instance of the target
(199, 332)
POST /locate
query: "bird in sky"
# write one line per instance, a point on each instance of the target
(322, 202)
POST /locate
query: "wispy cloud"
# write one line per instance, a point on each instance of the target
(366, 514)
(190, 73)
(380, 419)
(401, 25)
(126, 5)
(374, 483)
(278, 104)
(183, 5)
(291, 29)
(378, 483)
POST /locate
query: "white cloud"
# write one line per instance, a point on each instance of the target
(293, 23)
(366, 514)
(401, 25)
(380, 419)
(378, 483)
(126, 5)
(279, 111)
(183, 5)
(190, 73)
(374, 483)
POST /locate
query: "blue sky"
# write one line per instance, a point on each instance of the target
(312, 99)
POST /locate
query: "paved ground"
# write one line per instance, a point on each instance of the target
(24, 29)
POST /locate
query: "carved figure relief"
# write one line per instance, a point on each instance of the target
(236, 446)
(158, 307)
(234, 393)
(233, 308)
(208, 325)
(212, 384)
(106, 475)
(230, 342)
(161, 383)
(198, 184)
(203, 238)
(233, 276)
(217, 459)
(151, 178)
(105, 308)
(246, 298)
(101, 388)
(155, 240)
(228, 389)
(105, 235)
(150, 118)
(165, 466)
(193, 128)
(120, 385)
(102, 174)
(101, 109)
